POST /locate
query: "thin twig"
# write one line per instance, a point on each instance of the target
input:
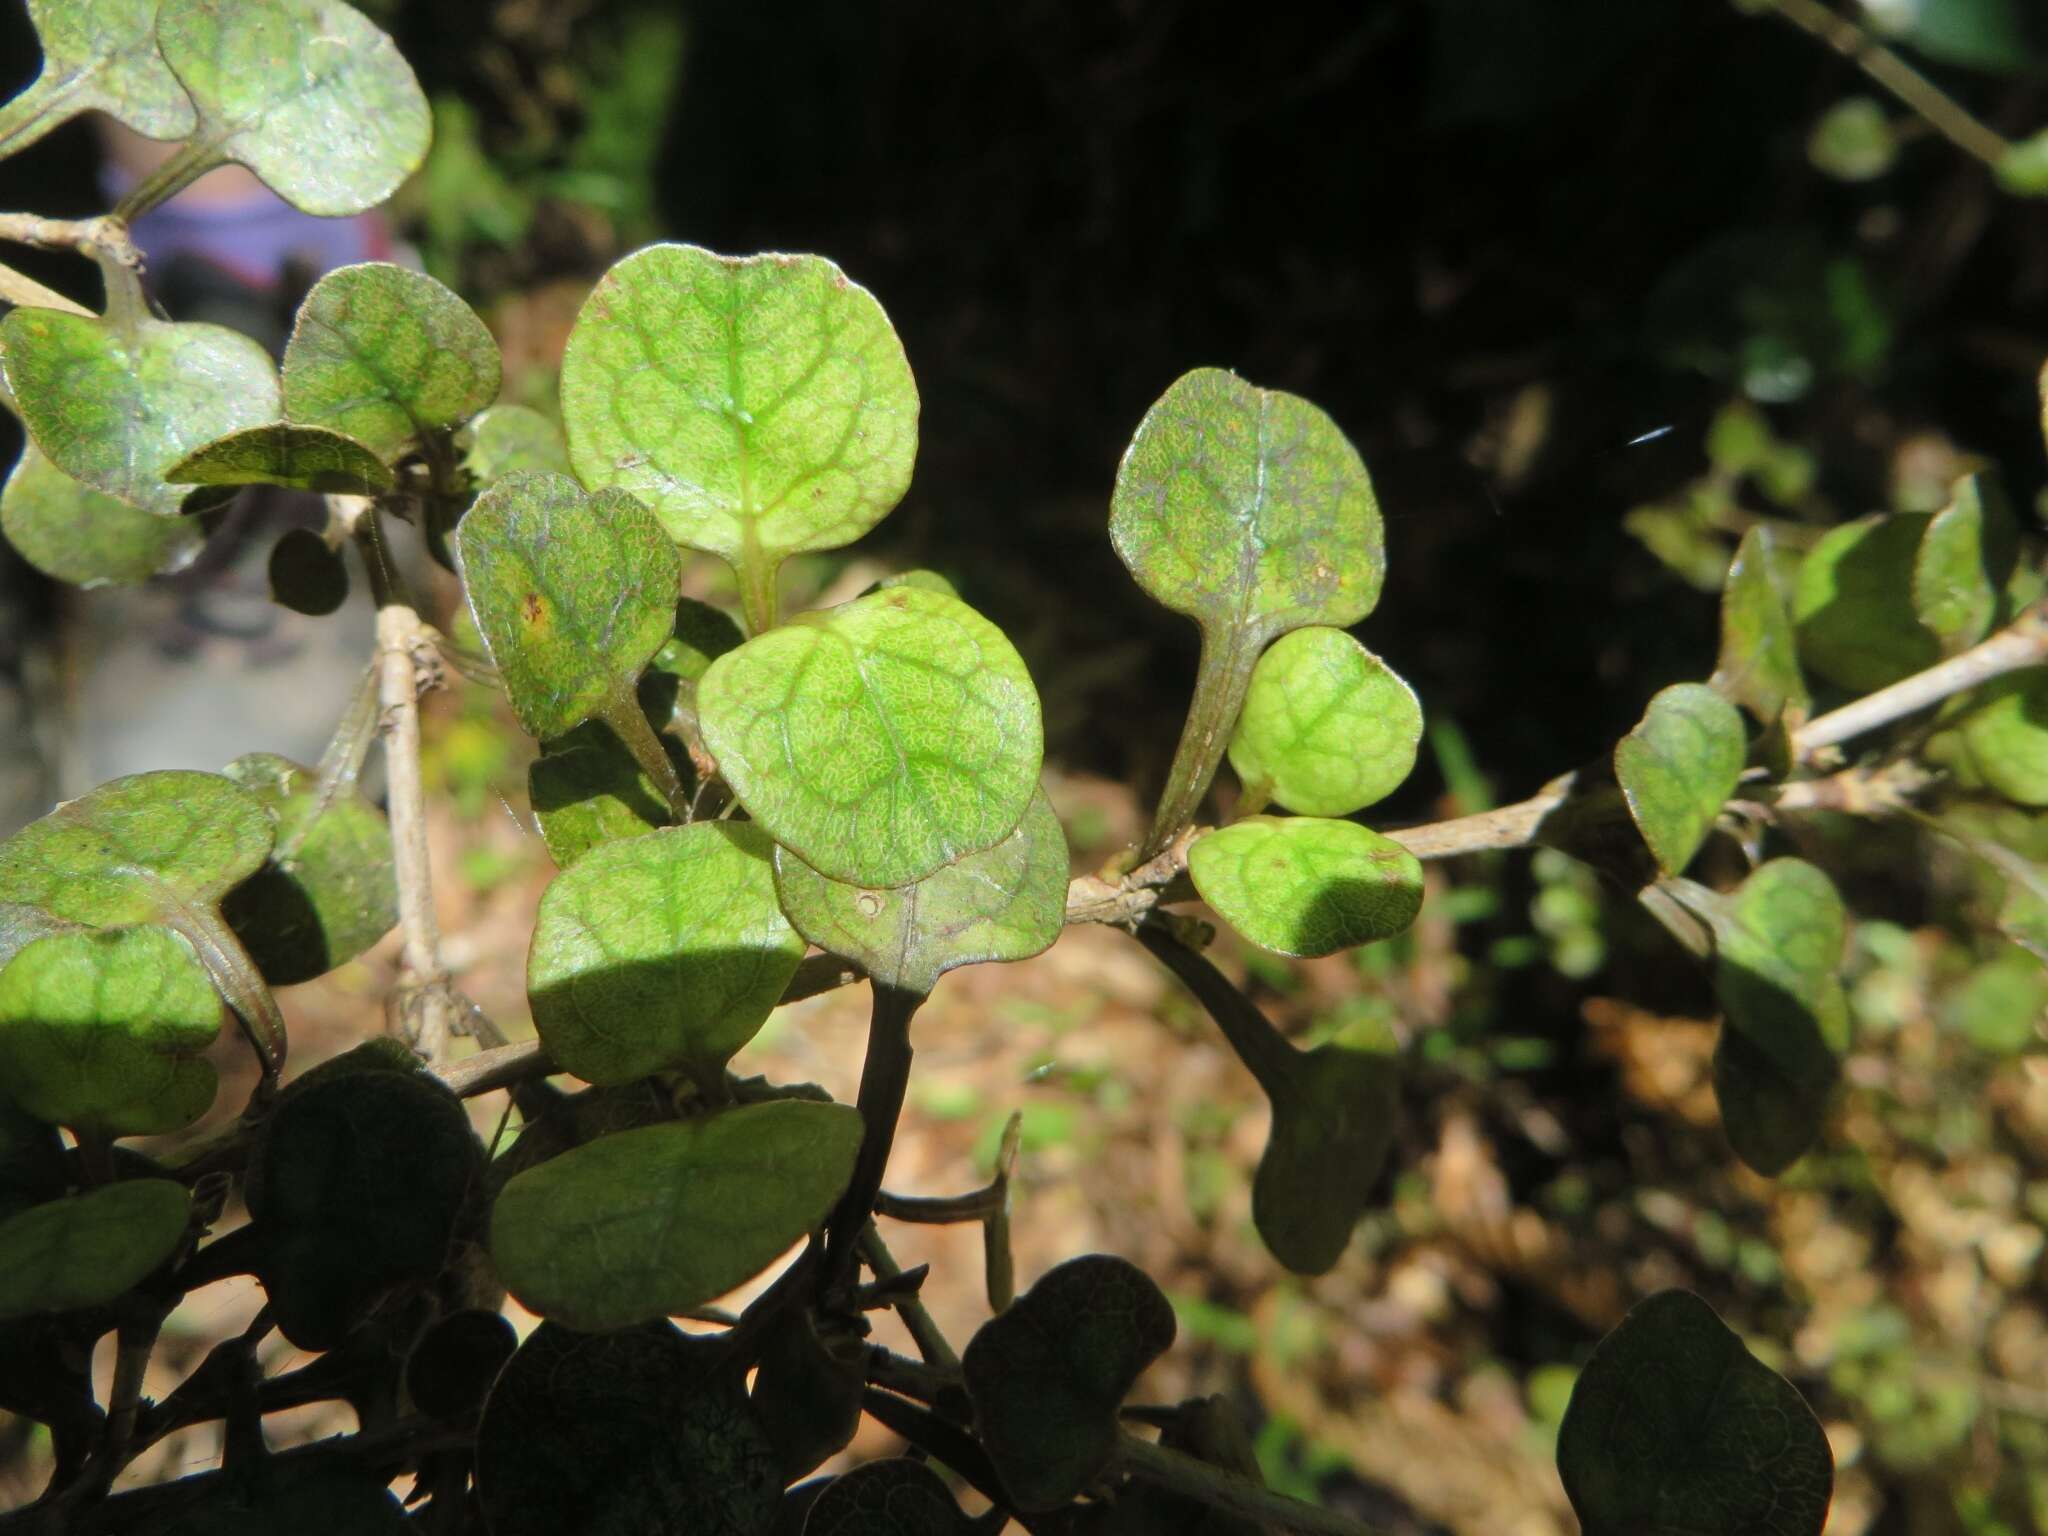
(1142, 1459)
(20, 289)
(924, 1332)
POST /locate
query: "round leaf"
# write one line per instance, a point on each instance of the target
(650, 1222)
(452, 1367)
(339, 1501)
(587, 790)
(1966, 558)
(84, 1250)
(308, 94)
(1327, 726)
(807, 1396)
(102, 1030)
(2006, 735)
(623, 1434)
(1853, 141)
(284, 453)
(761, 405)
(1678, 767)
(1675, 1426)
(1759, 661)
(389, 356)
(664, 950)
(1048, 1375)
(97, 57)
(116, 408)
(879, 740)
(306, 575)
(1304, 886)
(1004, 903)
(69, 531)
(356, 1186)
(572, 594)
(138, 849)
(1247, 509)
(1333, 1124)
(1854, 604)
(327, 892)
(896, 1497)
(509, 438)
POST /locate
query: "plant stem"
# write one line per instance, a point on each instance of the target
(1265, 1053)
(2022, 643)
(923, 1330)
(1221, 679)
(756, 575)
(884, 1077)
(940, 1438)
(630, 724)
(185, 165)
(1149, 1463)
(401, 640)
(940, 1210)
(1934, 106)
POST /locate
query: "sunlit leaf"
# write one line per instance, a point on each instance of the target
(2001, 1005)
(98, 56)
(586, 790)
(69, 531)
(879, 740)
(117, 406)
(1759, 662)
(355, 1187)
(651, 1222)
(1675, 1429)
(102, 1030)
(285, 453)
(1678, 767)
(1966, 558)
(761, 406)
(573, 595)
(623, 1434)
(1327, 726)
(666, 950)
(308, 94)
(1004, 903)
(508, 438)
(1301, 885)
(1853, 606)
(2005, 732)
(327, 892)
(389, 357)
(1048, 1375)
(86, 1249)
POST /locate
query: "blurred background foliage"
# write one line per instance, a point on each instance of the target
(1595, 288)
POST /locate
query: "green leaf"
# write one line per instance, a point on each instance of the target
(327, 892)
(1966, 558)
(1777, 947)
(1674, 1427)
(98, 56)
(31, 1161)
(1327, 726)
(1678, 767)
(762, 406)
(668, 688)
(390, 357)
(103, 1030)
(2005, 733)
(2023, 169)
(138, 849)
(1048, 1375)
(117, 406)
(807, 1395)
(660, 951)
(1008, 902)
(308, 94)
(450, 1370)
(1301, 885)
(2000, 1006)
(587, 790)
(284, 453)
(306, 575)
(509, 438)
(336, 1501)
(71, 532)
(1853, 141)
(1247, 509)
(623, 1434)
(573, 595)
(880, 740)
(1853, 606)
(894, 1497)
(1333, 1124)
(651, 1222)
(85, 1250)
(355, 1187)
(1759, 662)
